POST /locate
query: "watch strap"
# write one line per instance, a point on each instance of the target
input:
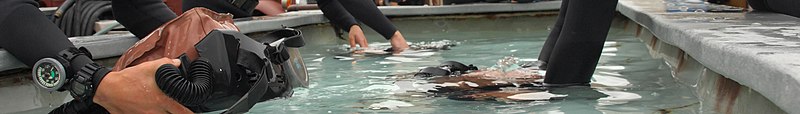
(90, 76)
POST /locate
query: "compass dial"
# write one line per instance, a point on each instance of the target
(49, 74)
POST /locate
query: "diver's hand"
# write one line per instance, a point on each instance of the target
(134, 90)
(356, 36)
(379, 2)
(270, 7)
(398, 42)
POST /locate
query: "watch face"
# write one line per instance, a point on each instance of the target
(49, 74)
(78, 90)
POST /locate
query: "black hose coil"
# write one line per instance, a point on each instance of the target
(79, 20)
(189, 90)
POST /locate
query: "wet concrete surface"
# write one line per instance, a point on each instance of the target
(759, 50)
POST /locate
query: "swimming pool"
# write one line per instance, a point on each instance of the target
(351, 86)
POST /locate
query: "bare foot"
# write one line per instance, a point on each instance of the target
(399, 43)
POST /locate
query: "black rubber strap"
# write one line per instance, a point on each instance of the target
(254, 94)
(98, 76)
(85, 104)
(90, 75)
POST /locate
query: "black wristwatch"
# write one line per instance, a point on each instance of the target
(85, 82)
(57, 74)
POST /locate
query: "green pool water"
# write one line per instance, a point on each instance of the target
(343, 86)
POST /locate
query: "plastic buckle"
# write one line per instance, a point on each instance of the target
(278, 54)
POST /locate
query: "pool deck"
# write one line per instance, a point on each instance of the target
(759, 50)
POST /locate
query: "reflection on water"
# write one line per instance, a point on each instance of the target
(627, 80)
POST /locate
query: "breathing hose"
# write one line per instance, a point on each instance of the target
(64, 7)
(80, 18)
(188, 88)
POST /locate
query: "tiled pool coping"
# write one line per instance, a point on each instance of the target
(759, 50)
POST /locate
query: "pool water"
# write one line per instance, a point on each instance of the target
(349, 85)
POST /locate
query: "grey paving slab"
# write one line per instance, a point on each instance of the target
(760, 50)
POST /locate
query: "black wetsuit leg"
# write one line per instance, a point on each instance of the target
(26, 33)
(141, 17)
(29, 35)
(788, 7)
(544, 55)
(577, 50)
(221, 6)
(339, 12)
(335, 12)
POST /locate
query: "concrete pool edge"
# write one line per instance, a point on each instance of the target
(753, 60)
(766, 77)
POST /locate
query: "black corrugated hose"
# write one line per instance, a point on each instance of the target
(190, 90)
(79, 20)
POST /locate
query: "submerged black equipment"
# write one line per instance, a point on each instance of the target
(235, 72)
(447, 68)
